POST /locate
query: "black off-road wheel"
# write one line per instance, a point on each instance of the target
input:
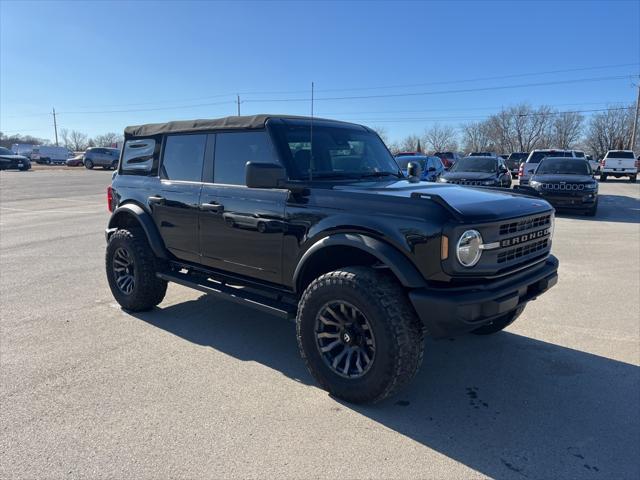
(499, 323)
(131, 271)
(358, 334)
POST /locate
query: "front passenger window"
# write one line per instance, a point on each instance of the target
(234, 150)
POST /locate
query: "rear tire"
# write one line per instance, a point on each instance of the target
(388, 350)
(499, 323)
(131, 271)
(633, 178)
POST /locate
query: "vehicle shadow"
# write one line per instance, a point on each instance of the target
(506, 405)
(611, 208)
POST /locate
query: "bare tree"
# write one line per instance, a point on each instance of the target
(441, 137)
(107, 140)
(409, 143)
(8, 140)
(74, 140)
(475, 137)
(566, 129)
(609, 130)
(520, 128)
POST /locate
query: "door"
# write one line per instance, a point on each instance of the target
(241, 229)
(174, 205)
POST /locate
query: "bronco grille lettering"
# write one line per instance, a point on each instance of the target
(508, 242)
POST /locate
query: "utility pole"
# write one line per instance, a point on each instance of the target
(634, 132)
(55, 126)
(238, 100)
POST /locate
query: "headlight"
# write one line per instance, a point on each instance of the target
(468, 249)
(442, 180)
(591, 186)
(534, 184)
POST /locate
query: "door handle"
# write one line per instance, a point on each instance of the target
(211, 207)
(156, 200)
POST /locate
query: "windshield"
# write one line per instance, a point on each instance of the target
(448, 155)
(404, 161)
(338, 152)
(5, 151)
(619, 154)
(468, 164)
(561, 166)
(537, 156)
(518, 156)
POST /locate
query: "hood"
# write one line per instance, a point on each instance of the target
(556, 178)
(473, 203)
(469, 176)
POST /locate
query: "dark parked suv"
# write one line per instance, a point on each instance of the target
(314, 220)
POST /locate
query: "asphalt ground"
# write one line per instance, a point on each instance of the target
(202, 387)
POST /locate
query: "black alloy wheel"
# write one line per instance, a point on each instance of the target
(124, 270)
(345, 339)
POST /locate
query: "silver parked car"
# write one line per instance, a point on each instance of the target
(101, 157)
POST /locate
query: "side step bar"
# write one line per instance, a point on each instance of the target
(238, 295)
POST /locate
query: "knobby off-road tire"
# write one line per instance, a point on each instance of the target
(146, 290)
(378, 301)
(499, 323)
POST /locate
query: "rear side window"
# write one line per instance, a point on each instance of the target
(137, 157)
(234, 150)
(183, 157)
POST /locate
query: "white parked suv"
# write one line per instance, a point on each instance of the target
(619, 163)
(529, 166)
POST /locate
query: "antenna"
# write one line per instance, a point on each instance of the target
(311, 165)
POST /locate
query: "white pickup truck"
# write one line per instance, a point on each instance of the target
(619, 163)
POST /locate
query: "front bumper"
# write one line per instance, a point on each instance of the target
(458, 310)
(571, 201)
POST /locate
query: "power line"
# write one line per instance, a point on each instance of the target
(479, 79)
(231, 95)
(441, 92)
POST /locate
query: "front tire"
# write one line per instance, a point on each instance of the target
(88, 164)
(131, 271)
(358, 334)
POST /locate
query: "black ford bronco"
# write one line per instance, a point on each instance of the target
(312, 219)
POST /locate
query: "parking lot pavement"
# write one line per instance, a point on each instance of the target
(205, 388)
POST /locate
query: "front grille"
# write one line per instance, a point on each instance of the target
(526, 224)
(563, 186)
(519, 252)
(465, 182)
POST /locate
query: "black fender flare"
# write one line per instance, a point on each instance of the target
(400, 265)
(146, 223)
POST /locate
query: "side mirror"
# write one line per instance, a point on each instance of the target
(413, 171)
(264, 175)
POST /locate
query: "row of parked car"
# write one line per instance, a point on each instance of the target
(21, 155)
(565, 178)
(616, 163)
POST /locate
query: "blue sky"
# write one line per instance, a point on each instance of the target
(105, 65)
